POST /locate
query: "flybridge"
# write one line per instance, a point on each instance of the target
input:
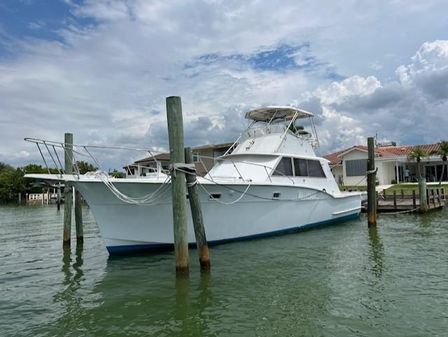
(271, 113)
(276, 129)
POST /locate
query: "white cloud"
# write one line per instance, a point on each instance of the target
(430, 58)
(337, 92)
(107, 82)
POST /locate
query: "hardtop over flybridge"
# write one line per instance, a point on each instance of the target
(270, 181)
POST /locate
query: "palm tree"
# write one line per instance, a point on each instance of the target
(443, 153)
(417, 154)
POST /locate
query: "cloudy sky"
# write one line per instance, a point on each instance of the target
(102, 70)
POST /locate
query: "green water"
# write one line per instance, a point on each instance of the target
(338, 281)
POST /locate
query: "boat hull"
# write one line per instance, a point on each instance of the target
(237, 212)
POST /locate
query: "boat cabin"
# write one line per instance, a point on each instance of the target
(275, 148)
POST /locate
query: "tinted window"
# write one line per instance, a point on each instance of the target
(300, 167)
(284, 167)
(357, 167)
(315, 169)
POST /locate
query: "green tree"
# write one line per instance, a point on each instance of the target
(12, 182)
(85, 167)
(417, 154)
(443, 153)
(117, 174)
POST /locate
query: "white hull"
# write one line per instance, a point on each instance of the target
(269, 182)
(130, 227)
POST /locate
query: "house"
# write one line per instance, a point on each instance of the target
(349, 166)
(204, 158)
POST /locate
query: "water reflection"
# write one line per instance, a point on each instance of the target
(69, 296)
(376, 252)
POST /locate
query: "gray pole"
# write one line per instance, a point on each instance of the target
(68, 190)
(196, 213)
(178, 185)
(371, 182)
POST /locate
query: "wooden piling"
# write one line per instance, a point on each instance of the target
(58, 200)
(371, 181)
(423, 195)
(78, 218)
(414, 201)
(196, 213)
(68, 190)
(178, 184)
(395, 200)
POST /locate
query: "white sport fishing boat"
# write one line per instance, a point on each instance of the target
(270, 182)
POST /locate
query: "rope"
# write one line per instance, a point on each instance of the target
(148, 199)
(226, 203)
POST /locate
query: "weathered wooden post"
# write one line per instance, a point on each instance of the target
(58, 200)
(68, 190)
(178, 184)
(395, 200)
(414, 201)
(196, 213)
(371, 182)
(78, 218)
(422, 192)
(442, 192)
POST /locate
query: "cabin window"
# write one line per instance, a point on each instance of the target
(315, 169)
(357, 167)
(284, 167)
(300, 167)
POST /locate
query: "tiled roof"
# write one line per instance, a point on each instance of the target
(166, 156)
(382, 151)
(159, 157)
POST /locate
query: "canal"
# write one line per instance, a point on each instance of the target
(344, 280)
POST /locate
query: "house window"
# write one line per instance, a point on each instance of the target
(284, 167)
(219, 153)
(357, 167)
(196, 158)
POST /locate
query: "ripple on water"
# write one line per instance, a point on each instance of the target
(343, 280)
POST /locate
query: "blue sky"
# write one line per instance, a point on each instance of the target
(102, 69)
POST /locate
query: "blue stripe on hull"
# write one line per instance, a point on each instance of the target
(129, 249)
